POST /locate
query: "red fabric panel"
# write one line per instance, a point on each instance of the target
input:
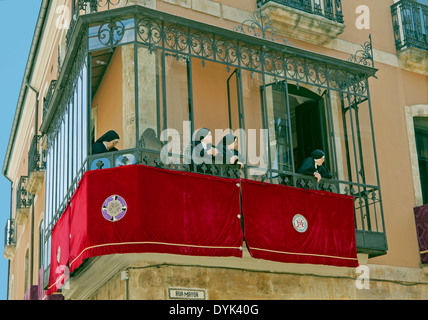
(268, 212)
(421, 219)
(166, 212)
(60, 250)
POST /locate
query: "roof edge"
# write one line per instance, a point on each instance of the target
(27, 74)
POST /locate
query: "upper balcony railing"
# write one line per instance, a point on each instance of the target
(23, 201)
(48, 97)
(410, 23)
(23, 198)
(10, 233)
(36, 157)
(36, 165)
(9, 239)
(330, 9)
(80, 7)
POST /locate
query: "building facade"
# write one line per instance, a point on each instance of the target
(286, 77)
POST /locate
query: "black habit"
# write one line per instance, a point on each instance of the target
(99, 146)
(308, 166)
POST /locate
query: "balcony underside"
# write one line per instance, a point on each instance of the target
(22, 215)
(95, 272)
(302, 25)
(414, 59)
(371, 243)
(36, 181)
(9, 252)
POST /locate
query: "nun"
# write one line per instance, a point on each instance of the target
(106, 143)
(313, 165)
(228, 150)
(203, 149)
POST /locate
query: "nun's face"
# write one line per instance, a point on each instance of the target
(208, 138)
(320, 161)
(112, 144)
(233, 145)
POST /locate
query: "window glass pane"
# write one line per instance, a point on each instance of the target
(366, 148)
(84, 98)
(55, 178)
(277, 120)
(48, 194)
(78, 106)
(41, 242)
(70, 143)
(60, 165)
(66, 153)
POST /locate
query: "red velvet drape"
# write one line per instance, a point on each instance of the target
(166, 211)
(269, 210)
(60, 253)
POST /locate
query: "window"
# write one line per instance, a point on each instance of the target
(421, 137)
(66, 151)
(41, 242)
(27, 270)
(307, 123)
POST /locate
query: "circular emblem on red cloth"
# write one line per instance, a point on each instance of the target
(114, 208)
(300, 223)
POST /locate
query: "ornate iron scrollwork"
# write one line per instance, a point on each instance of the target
(260, 26)
(364, 55)
(111, 32)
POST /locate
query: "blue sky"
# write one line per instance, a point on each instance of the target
(17, 22)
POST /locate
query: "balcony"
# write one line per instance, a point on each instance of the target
(80, 7)
(10, 239)
(36, 166)
(313, 21)
(410, 25)
(369, 228)
(48, 97)
(174, 73)
(23, 201)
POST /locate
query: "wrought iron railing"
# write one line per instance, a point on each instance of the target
(23, 197)
(47, 99)
(330, 9)
(410, 24)
(36, 157)
(80, 7)
(10, 233)
(155, 32)
(368, 218)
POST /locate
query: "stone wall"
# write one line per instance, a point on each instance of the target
(152, 283)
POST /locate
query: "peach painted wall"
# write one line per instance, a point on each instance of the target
(108, 99)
